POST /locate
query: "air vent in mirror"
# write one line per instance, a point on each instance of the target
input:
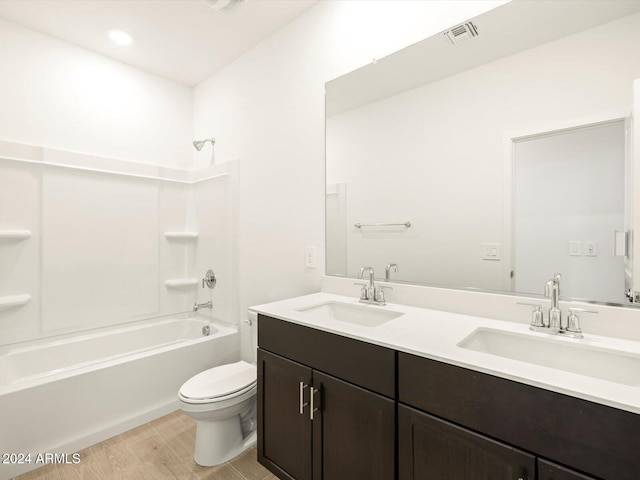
(461, 33)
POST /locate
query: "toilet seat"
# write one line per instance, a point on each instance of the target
(220, 383)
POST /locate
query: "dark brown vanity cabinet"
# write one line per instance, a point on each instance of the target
(325, 405)
(487, 423)
(551, 471)
(285, 433)
(379, 414)
(430, 448)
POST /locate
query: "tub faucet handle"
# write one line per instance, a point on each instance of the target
(209, 279)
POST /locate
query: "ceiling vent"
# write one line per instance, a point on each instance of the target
(224, 6)
(461, 34)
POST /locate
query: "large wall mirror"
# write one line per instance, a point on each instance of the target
(493, 155)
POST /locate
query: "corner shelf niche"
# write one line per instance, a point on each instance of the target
(12, 301)
(181, 235)
(181, 282)
(14, 234)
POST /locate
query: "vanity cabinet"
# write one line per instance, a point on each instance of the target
(479, 410)
(326, 407)
(285, 434)
(379, 414)
(551, 471)
(430, 448)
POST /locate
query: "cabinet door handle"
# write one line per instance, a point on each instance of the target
(302, 402)
(313, 409)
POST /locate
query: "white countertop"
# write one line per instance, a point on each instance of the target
(436, 334)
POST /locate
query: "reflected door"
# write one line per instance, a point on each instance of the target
(569, 199)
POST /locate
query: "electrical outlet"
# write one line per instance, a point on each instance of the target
(310, 256)
(590, 249)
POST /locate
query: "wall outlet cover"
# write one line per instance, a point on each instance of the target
(310, 256)
(590, 249)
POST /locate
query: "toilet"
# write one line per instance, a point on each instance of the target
(223, 402)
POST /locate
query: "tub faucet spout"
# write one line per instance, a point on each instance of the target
(208, 305)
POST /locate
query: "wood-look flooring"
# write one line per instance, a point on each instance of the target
(159, 450)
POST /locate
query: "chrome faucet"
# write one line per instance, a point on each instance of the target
(369, 293)
(197, 305)
(387, 273)
(552, 290)
(554, 323)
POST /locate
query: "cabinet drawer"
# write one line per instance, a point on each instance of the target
(369, 366)
(593, 438)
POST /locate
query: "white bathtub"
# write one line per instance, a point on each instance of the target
(60, 396)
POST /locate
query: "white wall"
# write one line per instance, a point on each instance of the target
(267, 108)
(57, 95)
(434, 155)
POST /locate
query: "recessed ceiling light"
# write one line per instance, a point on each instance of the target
(120, 38)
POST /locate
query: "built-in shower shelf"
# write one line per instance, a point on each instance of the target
(13, 301)
(14, 234)
(181, 235)
(181, 282)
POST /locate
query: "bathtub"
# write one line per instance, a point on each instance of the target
(62, 395)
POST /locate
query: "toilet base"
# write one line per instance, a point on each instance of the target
(217, 442)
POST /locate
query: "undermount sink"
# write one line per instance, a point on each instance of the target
(596, 362)
(346, 312)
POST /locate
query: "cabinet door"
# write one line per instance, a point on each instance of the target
(354, 432)
(432, 449)
(284, 435)
(550, 471)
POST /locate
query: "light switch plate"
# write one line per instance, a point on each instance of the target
(575, 248)
(491, 251)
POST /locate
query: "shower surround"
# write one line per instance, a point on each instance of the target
(93, 247)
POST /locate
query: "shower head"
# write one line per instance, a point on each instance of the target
(200, 143)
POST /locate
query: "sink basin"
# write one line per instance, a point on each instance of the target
(346, 312)
(558, 353)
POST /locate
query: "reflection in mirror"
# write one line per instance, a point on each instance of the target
(448, 138)
(568, 200)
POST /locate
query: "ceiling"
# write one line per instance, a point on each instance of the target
(182, 40)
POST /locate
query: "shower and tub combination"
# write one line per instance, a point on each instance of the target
(97, 327)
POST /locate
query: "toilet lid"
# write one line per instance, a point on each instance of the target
(220, 381)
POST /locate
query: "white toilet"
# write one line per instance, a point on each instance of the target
(223, 402)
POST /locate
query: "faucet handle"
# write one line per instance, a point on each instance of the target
(573, 321)
(363, 291)
(537, 317)
(379, 294)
